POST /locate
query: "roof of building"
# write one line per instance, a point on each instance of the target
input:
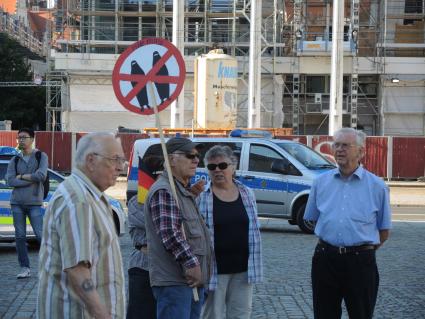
(8, 6)
(38, 20)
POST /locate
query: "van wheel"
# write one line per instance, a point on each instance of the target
(306, 226)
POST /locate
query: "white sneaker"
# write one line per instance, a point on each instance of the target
(25, 273)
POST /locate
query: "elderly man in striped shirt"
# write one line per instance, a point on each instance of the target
(81, 273)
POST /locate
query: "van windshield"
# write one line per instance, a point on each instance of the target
(306, 156)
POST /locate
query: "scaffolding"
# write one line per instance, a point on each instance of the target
(294, 29)
(96, 26)
(373, 29)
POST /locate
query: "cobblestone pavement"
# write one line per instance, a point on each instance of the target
(286, 292)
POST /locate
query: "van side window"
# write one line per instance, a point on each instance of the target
(261, 158)
(236, 147)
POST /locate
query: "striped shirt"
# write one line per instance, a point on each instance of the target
(79, 227)
(137, 230)
(255, 259)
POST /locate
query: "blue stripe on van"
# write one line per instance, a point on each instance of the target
(274, 185)
(258, 183)
(133, 174)
(261, 183)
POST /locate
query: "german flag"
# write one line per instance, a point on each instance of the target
(145, 180)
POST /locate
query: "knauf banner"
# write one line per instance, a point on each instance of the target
(216, 85)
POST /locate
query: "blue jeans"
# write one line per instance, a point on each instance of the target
(20, 212)
(177, 302)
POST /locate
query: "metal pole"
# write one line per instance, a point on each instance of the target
(254, 85)
(383, 73)
(335, 107)
(177, 107)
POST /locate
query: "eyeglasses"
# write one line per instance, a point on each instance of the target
(343, 146)
(222, 166)
(189, 155)
(23, 137)
(117, 160)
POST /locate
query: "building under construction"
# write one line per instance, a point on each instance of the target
(283, 50)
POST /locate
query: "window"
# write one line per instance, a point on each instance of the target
(412, 6)
(306, 156)
(261, 158)
(316, 84)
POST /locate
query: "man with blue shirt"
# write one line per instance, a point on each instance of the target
(352, 213)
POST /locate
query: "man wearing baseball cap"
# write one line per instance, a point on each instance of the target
(180, 249)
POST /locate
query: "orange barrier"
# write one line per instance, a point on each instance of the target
(386, 156)
(153, 131)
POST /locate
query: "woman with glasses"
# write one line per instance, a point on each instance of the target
(230, 212)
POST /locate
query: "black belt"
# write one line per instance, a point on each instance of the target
(139, 247)
(346, 249)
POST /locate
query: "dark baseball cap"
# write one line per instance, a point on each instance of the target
(181, 144)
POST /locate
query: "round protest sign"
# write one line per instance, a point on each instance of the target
(152, 60)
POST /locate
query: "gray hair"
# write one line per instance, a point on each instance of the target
(88, 144)
(360, 136)
(220, 151)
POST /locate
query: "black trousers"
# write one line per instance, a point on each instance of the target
(141, 302)
(351, 277)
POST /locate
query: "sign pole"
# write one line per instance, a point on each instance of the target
(167, 162)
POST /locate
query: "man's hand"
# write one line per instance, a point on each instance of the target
(383, 236)
(198, 187)
(193, 276)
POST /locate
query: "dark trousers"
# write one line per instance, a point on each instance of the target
(353, 277)
(141, 303)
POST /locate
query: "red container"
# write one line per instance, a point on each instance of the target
(127, 141)
(8, 138)
(375, 159)
(408, 157)
(57, 146)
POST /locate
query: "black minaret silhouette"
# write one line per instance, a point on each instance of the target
(162, 88)
(142, 96)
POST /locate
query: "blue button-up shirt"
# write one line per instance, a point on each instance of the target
(349, 211)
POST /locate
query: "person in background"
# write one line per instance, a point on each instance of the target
(140, 296)
(141, 299)
(351, 209)
(26, 173)
(230, 211)
(179, 246)
(80, 269)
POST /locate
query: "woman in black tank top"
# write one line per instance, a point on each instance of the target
(230, 212)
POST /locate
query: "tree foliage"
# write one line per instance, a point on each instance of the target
(24, 106)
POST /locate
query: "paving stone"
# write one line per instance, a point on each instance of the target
(286, 290)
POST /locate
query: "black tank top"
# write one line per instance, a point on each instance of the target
(231, 225)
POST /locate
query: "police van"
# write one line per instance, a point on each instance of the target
(280, 172)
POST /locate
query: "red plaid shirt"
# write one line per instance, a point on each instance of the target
(167, 220)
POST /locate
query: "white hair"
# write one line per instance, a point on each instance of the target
(220, 151)
(360, 136)
(88, 144)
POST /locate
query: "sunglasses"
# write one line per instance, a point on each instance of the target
(189, 155)
(221, 166)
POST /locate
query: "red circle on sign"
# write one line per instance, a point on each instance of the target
(139, 82)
